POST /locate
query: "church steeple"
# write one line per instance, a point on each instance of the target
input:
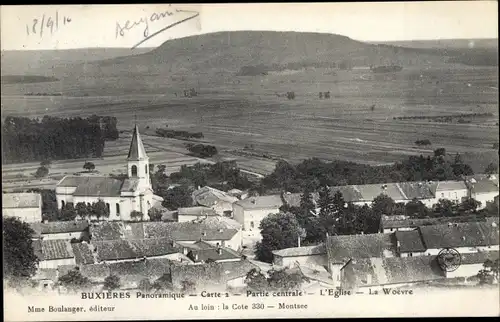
(138, 161)
(136, 151)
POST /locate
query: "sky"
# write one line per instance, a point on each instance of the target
(80, 26)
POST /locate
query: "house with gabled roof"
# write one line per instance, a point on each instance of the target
(376, 273)
(220, 201)
(455, 191)
(343, 249)
(249, 212)
(203, 252)
(483, 188)
(25, 206)
(61, 229)
(468, 237)
(53, 253)
(121, 196)
(311, 256)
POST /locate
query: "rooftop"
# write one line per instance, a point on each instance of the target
(450, 185)
(56, 249)
(342, 248)
(293, 199)
(112, 230)
(59, 227)
(185, 231)
(301, 251)
(261, 202)
(390, 222)
(468, 234)
(98, 186)
(21, 200)
(130, 249)
(416, 190)
(208, 196)
(410, 241)
(394, 270)
(83, 254)
(136, 150)
(202, 251)
(196, 211)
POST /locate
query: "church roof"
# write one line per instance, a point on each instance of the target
(99, 186)
(136, 151)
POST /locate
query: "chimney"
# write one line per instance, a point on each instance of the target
(221, 230)
(45, 221)
(219, 250)
(252, 201)
(196, 256)
(184, 250)
(203, 233)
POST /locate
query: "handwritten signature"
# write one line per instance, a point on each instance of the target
(129, 25)
(51, 22)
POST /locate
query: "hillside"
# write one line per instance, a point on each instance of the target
(228, 52)
(42, 62)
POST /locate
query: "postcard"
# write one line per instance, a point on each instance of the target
(272, 160)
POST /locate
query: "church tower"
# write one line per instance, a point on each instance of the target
(138, 162)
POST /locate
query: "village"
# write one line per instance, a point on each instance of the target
(214, 244)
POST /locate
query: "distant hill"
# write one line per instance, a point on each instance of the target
(42, 62)
(229, 52)
(445, 43)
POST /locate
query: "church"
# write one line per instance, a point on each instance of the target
(122, 196)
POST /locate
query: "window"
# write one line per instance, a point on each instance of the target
(411, 254)
(107, 207)
(117, 208)
(62, 203)
(251, 224)
(134, 171)
(146, 168)
(442, 194)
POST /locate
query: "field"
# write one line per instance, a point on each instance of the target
(250, 120)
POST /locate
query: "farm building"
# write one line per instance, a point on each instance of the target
(311, 256)
(194, 213)
(25, 206)
(62, 229)
(390, 224)
(202, 252)
(121, 196)
(375, 273)
(483, 188)
(250, 212)
(468, 237)
(455, 191)
(220, 201)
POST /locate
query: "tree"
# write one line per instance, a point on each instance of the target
(41, 172)
(489, 273)
(256, 281)
(491, 168)
(112, 282)
(383, 205)
(82, 210)
(145, 285)
(278, 231)
(440, 152)
(284, 280)
(177, 197)
(445, 208)
(20, 261)
(469, 204)
(136, 215)
(155, 214)
(460, 168)
(89, 166)
(417, 209)
(74, 281)
(67, 212)
(100, 209)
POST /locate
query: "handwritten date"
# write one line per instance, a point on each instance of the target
(48, 23)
